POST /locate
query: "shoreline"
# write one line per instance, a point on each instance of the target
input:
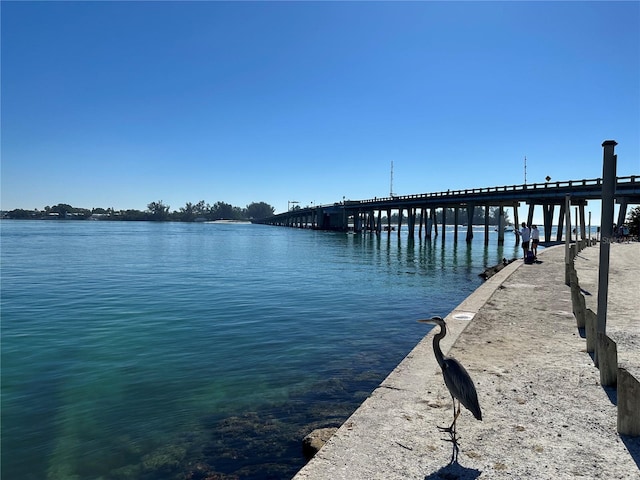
(545, 414)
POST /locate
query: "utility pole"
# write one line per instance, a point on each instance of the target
(525, 170)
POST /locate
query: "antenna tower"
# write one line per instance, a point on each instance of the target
(391, 184)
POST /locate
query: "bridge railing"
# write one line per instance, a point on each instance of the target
(596, 182)
(529, 187)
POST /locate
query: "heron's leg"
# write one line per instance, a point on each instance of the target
(450, 427)
(455, 448)
(454, 437)
(455, 416)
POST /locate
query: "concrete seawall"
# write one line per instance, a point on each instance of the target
(545, 413)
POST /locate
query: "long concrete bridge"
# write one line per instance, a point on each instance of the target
(361, 215)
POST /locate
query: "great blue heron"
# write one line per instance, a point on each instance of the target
(456, 378)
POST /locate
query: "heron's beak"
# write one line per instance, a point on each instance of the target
(430, 321)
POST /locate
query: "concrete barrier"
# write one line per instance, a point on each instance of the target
(628, 404)
(607, 360)
(577, 299)
(590, 320)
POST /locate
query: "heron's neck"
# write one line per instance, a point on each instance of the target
(436, 345)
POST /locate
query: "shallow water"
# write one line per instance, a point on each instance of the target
(169, 350)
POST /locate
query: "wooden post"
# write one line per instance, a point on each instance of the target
(608, 189)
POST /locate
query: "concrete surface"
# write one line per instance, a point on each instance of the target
(545, 415)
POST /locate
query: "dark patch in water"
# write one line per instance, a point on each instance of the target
(259, 445)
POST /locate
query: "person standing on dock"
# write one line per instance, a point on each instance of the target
(525, 235)
(535, 240)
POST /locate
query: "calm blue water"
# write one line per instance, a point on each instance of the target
(168, 350)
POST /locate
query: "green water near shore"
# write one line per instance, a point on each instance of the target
(144, 350)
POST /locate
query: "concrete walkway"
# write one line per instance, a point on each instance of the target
(545, 415)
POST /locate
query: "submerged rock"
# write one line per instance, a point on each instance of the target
(315, 440)
(491, 271)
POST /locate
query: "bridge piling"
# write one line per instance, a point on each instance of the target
(583, 222)
(486, 224)
(516, 221)
(532, 207)
(561, 215)
(547, 211)
(501, 225)
(429, 224)
(455, 223)
(470, 212)
(444, 223)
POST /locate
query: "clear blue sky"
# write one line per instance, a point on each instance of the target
(118, 104)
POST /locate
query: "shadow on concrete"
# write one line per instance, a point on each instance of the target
(552, 243)
(454, 471)
(633, 446)
(582, 257)
(612, 393)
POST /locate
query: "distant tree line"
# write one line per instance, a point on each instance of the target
(156, 211)
(201, 211)
(633, 220)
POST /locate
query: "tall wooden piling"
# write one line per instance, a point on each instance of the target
(608, 189)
